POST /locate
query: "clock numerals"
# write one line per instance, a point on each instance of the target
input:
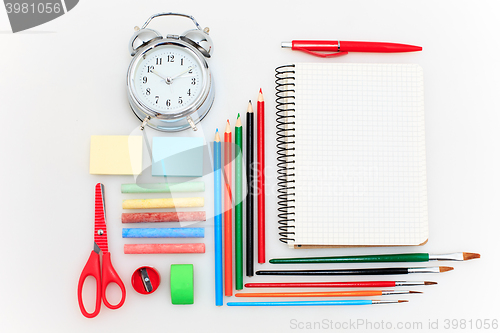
(171, 94)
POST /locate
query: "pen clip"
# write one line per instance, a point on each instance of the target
(319, 54)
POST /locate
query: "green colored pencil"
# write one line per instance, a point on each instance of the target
(404, 257)
(238, 213)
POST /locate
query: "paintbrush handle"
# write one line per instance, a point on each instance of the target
(359, 271)
(405, 257)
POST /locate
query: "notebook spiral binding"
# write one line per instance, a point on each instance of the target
(285, 117)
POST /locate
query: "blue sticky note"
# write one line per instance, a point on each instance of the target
(177, 157)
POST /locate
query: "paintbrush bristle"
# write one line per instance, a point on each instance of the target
(429, 283)
(445, 269)
(469, 256)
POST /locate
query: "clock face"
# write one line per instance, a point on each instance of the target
(168, 79)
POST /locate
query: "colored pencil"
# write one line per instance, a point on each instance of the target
(353, 284)
(361, 271)
(218, 221)
(314, 303)
(405, 257)
(251, 191)
(261, 182)
(228, 212)
(238, 210)
(349, 293)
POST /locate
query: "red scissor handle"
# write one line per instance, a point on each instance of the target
(92, 268)
(109, 275)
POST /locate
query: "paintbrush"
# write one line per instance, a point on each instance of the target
(405, 257)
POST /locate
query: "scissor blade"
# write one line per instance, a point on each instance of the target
(97, 249)
(103, 202)
(100, 232)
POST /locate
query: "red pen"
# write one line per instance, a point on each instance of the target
(337, 48)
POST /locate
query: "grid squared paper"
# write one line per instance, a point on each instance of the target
(360, 155)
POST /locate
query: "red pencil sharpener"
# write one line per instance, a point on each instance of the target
(145, 280)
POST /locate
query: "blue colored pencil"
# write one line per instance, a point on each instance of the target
(313, 303)
(218, 220)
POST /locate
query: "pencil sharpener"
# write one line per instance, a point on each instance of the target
(145, 280)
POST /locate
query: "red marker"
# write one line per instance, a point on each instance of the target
(337, 48)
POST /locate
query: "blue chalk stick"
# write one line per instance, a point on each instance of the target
(163, 232)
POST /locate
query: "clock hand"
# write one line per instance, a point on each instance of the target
(182, 73)
(155, 72)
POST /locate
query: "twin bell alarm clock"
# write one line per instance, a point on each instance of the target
(169, 84)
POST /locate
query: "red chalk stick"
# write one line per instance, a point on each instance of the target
(163, 248)
(163, 217)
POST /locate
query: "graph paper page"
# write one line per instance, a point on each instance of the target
(360, 155)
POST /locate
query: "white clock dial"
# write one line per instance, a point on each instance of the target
(168, 79)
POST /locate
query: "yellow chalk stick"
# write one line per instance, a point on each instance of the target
(163, 203)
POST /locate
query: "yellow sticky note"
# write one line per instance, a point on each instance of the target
(115, 155)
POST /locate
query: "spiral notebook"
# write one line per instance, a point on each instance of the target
(351, 155)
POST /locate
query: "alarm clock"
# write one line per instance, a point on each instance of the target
(169, 84)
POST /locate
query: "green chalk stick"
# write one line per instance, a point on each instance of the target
(164, 187)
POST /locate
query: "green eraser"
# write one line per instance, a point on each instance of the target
(182, 284)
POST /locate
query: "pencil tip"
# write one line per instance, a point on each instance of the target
(415, 292)
(216, 130)
(445, 269)
(402, 301)
(260, 91)
(429, 283)
(469, 256)
(238, 116)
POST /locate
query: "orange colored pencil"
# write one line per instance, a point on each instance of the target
(330, 293)
(228, 212)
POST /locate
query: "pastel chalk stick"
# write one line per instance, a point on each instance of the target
(164, 217)
(163, 248)
(164, 187)
(163, 232)
(163, 203)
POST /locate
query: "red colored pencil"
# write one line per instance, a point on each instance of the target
(228, 212)
(261, 198)
(353, 284)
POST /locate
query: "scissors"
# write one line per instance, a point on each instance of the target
(92, 267)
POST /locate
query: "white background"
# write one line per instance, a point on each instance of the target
(64, 81)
